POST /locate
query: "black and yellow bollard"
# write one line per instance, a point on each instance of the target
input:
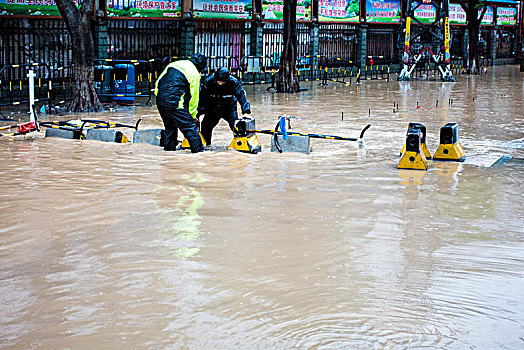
(450, 148)
(413, 158)
(423, 146)
(245, 141)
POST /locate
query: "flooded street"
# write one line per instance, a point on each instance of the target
(125, 246)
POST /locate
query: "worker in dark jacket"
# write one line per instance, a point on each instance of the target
(219, 94)
(177, 95)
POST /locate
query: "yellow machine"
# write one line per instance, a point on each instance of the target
(450, 148)
(245, 139)
(413, 158)
(423, 146)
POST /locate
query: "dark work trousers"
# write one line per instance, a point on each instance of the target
(175, 119)
(212, 118)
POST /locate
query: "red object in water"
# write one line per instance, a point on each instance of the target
(26, 127)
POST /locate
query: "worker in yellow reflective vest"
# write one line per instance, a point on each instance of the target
(177, 94)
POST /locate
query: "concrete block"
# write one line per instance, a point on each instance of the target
(106, 135)
(65, 134)
(294, 143)
(153, 137)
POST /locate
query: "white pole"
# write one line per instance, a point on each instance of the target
(31, 75)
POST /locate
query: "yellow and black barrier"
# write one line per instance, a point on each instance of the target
(423, 146)
(375, 68)
(15, 84)
(338, 70)
(62, 84)
(257, 69)
(264, 69)
(315, 136)
(21, 129)
(94, 130)
(412, 157)
(450, 148)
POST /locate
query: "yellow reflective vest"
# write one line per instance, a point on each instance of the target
(192, 75)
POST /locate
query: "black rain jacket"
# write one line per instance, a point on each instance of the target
(214, 97)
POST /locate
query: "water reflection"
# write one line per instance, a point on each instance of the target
(411, 178)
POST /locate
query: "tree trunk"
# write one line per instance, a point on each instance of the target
(472, 16)
(473, 52)
(287, 80)
(78, 23)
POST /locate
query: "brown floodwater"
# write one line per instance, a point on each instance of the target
(125, 246)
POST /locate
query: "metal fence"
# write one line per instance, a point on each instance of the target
(15, 84)
(24, 41)
(143, 39)
(340, 41)
(273, 40)
(222, 39)
(457, 42)
(506, 39)
(382, 42)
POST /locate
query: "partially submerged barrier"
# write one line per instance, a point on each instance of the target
(376, 68)
(257, 70)
(412, 155)
(94, 130)
(62, 84)
(338, 70)
(415, 154)
(19, 86)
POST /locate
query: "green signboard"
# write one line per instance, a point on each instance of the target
(506, 16)
(223, 9)
(143, 8)
(339, 11)
(383, 11)
(29, 8)
(274, 9)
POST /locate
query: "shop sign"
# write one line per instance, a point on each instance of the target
(457, 15)
(223, 9)
(425, 13)
(143, 8)
(339, 11)
(506, 16)
(274, 10)
(383, 11)
(488, 16)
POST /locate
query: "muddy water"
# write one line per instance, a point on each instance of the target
(128, 247)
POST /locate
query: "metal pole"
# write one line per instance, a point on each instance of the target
(404, 74)
(31, 76)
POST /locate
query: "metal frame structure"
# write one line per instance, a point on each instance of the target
(442, 59)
